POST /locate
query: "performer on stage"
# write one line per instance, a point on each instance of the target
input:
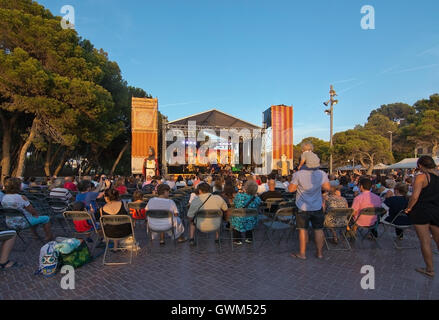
(151, 164)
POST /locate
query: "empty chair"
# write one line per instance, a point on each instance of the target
(283, 221)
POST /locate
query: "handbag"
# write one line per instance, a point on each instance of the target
(199, 208)
(78, 257)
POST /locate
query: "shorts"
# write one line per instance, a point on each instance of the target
(303, 218)
(40, 220)
(423, 216)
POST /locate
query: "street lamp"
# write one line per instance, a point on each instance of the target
(332, 102)
(391, 141)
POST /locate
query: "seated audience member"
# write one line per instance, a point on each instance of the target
(69, 185)
(180, 182)
(131, 184)
(204, 201)
(58, 192)
(138, 213)
(333, 200)
(88, 197)
(120, 186)
(33, 182)
(395, 205)
(263, 187)
(217, 187)
(389, 190)
(271, 193)
(247, 199)
(5, 249)
(13, 199)
(147, 181)
(114, 206)
(162, 202)
(170, 181)
(83, 225)
(366, 199)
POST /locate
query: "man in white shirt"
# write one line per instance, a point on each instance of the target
(163, 203)
(263, 187)
(58, 192)
(170, 181)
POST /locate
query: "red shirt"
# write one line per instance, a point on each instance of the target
(122, 190)
(70, 186)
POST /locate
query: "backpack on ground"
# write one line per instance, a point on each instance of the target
(48, 262)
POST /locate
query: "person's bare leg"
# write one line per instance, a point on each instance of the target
(48, 231)
(5, 250)
(303, 235)
(162, 237)
(423, 232)
(191, 230)
(319, 240)
(435, 233)
(115, 244)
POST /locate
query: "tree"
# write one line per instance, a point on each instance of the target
(365, 145)
(395, 112)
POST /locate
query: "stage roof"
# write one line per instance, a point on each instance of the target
(215, 118)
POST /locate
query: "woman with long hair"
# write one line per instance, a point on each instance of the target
(423, 210)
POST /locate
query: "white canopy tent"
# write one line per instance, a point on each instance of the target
(380, 166)
(409, 163)
(349, 168)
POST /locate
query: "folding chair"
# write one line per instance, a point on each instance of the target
(377, 212)
(160, 215)
(117, 220)
(283, 220)
(392, 224)
(15, 213)
(208, 221)
(82, 216)
(244, 213)
(6, 235)
(56, 209)
(337, 219)
(268, 206)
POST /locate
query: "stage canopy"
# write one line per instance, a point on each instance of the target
(409, 163)
(214, 119)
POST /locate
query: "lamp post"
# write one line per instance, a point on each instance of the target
(391, 141)
(332, 102)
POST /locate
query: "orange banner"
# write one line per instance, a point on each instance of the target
(282, 125)
(144, 124)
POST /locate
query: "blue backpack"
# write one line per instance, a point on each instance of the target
(48, 262)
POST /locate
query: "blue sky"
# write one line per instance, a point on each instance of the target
(242, 56)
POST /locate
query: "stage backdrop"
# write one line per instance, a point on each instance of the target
(144, 124)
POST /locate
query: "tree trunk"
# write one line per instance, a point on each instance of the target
(61, 163)
(47, 161)
(6, 144)
(435, 149)
(119, 157)
(22, 155)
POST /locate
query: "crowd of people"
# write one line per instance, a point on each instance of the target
(313, 193)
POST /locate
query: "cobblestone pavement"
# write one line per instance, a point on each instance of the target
(249, 272)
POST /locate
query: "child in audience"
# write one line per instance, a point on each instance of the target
(309, 160)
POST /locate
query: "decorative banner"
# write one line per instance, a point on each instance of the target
(282, 126)
(144, 134)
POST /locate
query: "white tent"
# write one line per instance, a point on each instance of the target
(409, 163)
(380, 166)
(349, 168)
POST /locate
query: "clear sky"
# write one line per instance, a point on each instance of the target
(242, 56)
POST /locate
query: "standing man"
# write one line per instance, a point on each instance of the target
(309, 185)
